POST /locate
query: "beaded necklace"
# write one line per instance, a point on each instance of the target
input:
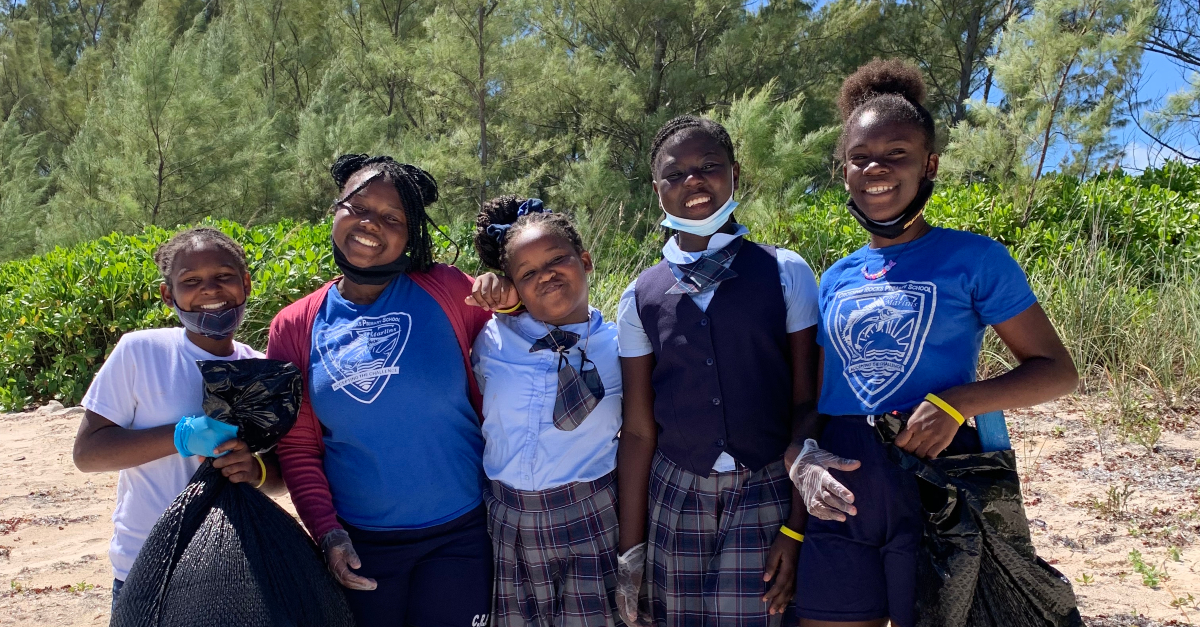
(871, 276)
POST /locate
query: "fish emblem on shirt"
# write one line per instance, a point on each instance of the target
(879, 332)
(361, 357)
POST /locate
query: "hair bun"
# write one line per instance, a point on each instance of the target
(881, 77)
(345, 166)
(424, 181)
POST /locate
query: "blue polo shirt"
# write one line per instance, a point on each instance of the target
(403, 447)
(918, 328)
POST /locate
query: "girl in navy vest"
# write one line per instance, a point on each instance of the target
(551, 388)
(902, 321)
(718, 359)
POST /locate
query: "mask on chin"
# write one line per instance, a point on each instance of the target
(705, 226)
(375, 275)
(216, 325)
(896, 227)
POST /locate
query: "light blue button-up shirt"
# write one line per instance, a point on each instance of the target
(522, 447)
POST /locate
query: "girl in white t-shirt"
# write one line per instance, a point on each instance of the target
(144, 415)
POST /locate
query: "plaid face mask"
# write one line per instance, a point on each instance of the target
(579, 391)
(216, 325)
(707, 272)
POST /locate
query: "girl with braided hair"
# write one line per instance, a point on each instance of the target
(145, 414)
(384, 463)
(717, 356)
(551, 388)
(902, 321)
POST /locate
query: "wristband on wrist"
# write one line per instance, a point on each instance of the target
(263, 467)
(511, 309)
(946, 407)
(789, 532)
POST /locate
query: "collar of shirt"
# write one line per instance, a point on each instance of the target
(533, 329)
(676, 256)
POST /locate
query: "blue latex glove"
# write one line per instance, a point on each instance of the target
(199, 435)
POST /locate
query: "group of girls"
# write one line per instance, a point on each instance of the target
(493, 451)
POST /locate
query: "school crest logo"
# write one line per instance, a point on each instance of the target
(879, 332)
(360, 358)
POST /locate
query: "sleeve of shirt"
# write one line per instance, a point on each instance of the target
(1001, 289)
(632, 340)
(821, 295)
(799, 290)
(482, 349)
(112, 393)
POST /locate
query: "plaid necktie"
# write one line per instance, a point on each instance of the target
(707, 272)
(579, 391)
(558, 341)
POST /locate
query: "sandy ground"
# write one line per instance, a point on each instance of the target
(1089, 507)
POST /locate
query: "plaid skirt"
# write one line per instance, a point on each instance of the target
(708, 543)
(555, 554)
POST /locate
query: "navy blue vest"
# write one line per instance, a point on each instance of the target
(722, 377)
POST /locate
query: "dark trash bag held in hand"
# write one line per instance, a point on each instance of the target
(977, 566)
(225, 554)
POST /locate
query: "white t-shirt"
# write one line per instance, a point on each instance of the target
(150, 380)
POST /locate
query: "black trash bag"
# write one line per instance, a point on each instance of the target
(261, 397)
(225, 554)
(977, 566)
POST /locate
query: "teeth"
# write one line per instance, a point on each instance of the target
(214, 306)
(364, 241)
(879, 189)
(695, 201)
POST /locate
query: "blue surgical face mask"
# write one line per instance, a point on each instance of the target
(706, 226)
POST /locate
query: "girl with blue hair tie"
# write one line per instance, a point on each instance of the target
(551, 388)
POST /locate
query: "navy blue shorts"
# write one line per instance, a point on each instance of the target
(439, 576)
(865, 568)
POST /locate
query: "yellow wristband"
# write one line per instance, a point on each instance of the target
(787, 531)
(511, 309)
(263, 467)
(944, 406)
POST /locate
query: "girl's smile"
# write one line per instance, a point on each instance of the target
(694, 176)
(369, 223)
(885, 164)
(205, 279)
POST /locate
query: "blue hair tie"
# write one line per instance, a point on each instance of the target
(499, 232)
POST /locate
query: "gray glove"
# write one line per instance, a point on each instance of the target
(823, 496)
(631, 573)
(340, 557)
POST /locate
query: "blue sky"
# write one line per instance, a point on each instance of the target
(1161, 77)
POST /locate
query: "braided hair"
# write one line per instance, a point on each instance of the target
(686, 125)
(891, 89)
(417, 189)
(193, 239)
(503, 210)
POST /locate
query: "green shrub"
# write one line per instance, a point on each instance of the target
(62, 312)
(1112, 259)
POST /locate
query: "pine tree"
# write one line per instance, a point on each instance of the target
(1060, 71)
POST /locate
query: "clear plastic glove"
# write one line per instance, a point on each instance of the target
(631, 572)
(340, 557)
(201, 435)
(823, 496)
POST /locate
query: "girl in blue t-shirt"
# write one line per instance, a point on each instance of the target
(902, 321)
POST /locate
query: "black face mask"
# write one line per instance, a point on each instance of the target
(895, 228)
(375, 275)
